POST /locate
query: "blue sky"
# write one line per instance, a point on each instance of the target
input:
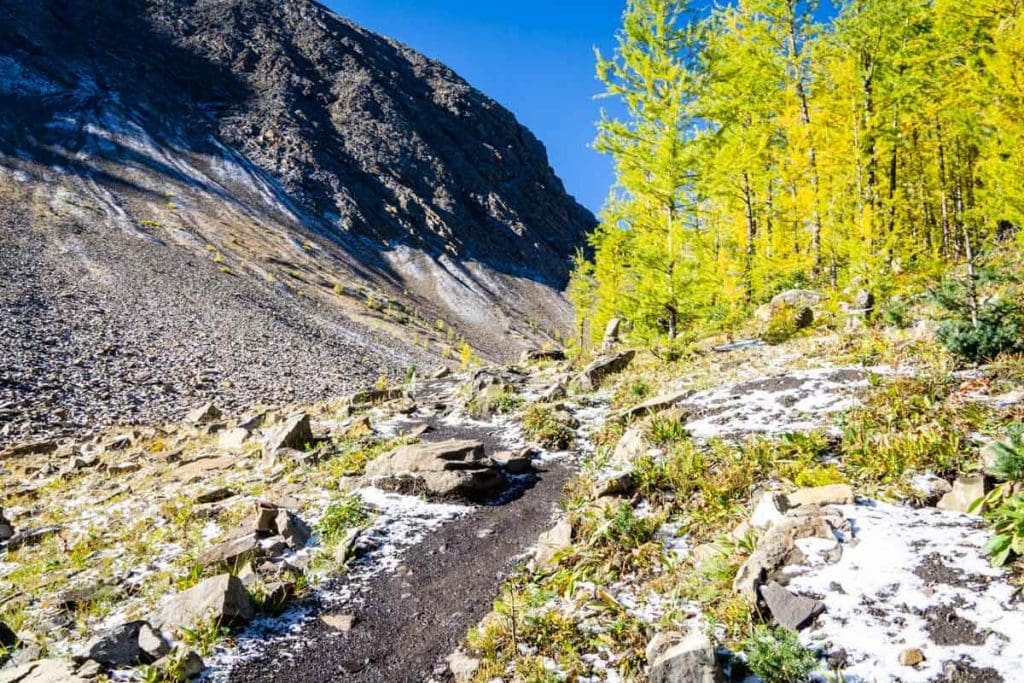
(534, 57)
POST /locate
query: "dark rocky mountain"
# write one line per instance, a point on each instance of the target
(252, 197)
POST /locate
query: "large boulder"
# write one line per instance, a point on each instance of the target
(797, 298)
(444, 468)
(591, 377)
(678, 658)
(222, 599)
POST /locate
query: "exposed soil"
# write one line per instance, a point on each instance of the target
(946, 627)
(408, 621)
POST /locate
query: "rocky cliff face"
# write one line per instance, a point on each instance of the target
(204, 184)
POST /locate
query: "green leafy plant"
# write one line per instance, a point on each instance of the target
(664, 430)
(1007, 519)
(777, 656)
(1002, 507)
(204, 636)
(541, 425)
(341, 516)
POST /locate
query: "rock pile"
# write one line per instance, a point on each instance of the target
(443, 469)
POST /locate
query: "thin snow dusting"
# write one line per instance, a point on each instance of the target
(903, 575)
(795, 402)
(401, 522)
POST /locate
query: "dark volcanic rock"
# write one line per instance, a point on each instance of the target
(210, 200)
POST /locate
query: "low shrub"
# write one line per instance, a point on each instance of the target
(541, 425)
(777, 656)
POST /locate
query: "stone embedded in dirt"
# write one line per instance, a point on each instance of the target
(375, 396)
(6, 528)
(537, 355)
(675, 657)
(966, 489)
(293, 529)
(222, 599)
(630, 446)
(125, 645)
(652, 405)
(768, 510)
(462, 667)
(277, 594)
(593, 375)
(863, 302)
(930, 488)
(618, 483)
(358, 428)
(42, 671)
(295, 432)
(338, 621)
(790, 610)
(215, 495)
(152, 642)
(554, 392)
(204, 414)
(777, 548)
(911, 656)
(552, 542)
(444, 468)
(233, 552)
(833, 494)
(515, 463)
(440, 373)
(233, 439)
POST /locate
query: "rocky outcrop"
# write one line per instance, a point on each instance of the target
(222, 599)
(446, 468)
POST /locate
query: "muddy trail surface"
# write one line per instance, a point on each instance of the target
(407, 621)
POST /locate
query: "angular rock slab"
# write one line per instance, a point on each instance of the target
(790, 610)
(675, 658)
(445, 468)
(593, 375)
(223, 599)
